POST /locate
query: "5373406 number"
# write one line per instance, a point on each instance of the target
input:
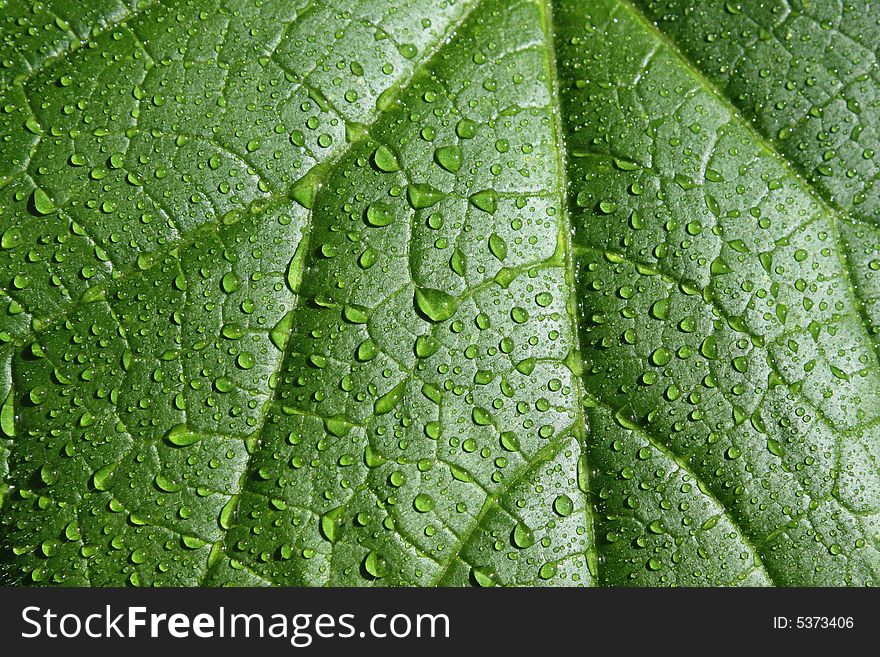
(813, 622)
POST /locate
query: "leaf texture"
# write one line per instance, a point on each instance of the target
(511, 292)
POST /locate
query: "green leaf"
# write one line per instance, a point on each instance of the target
(486, 292)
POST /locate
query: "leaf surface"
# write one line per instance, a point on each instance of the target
(439, 293)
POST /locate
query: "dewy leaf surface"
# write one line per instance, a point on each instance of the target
(439, 293)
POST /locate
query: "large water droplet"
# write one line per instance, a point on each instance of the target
(385, 160)
(449, 157)
(423, 195)
(486, 200)
(436, 305)
(42, 203)
(182, 436)
(390, 399)
(379, 214)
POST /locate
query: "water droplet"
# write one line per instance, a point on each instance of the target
(498, 246)
(337, 425)
(483, 576)
(423, 503)
(42, 203)
(367, 350)
(375, 565)
(709, 348)
(305, 190)
(167, 485)
(563, 505)
(449, 157)
(379, 214)
(227, 512)
(7, 416)
(547, 571)
(509, 441)
(775, 448)
(436, 305)
(33, 125)
(385, 160)
(281, 331)
(390, 399)
(101, 477)
(660, 309)
(367, 258)
(519, 315)
(712, 175)
(423, 195)
(458, 262)
(11, 238)
(607, 206)
(356, 314)
(544, 299)
(486, 200)
(661, 356)
(372, 458)
(460, 474)
(192, 542)
(523, 537)
(710, 523)
(330, 523)
(466, 129)
(481, 416)
(526, 366)
(426, 346)
(719, 267)
(246, 360)
(230, 283)
(182, 436)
